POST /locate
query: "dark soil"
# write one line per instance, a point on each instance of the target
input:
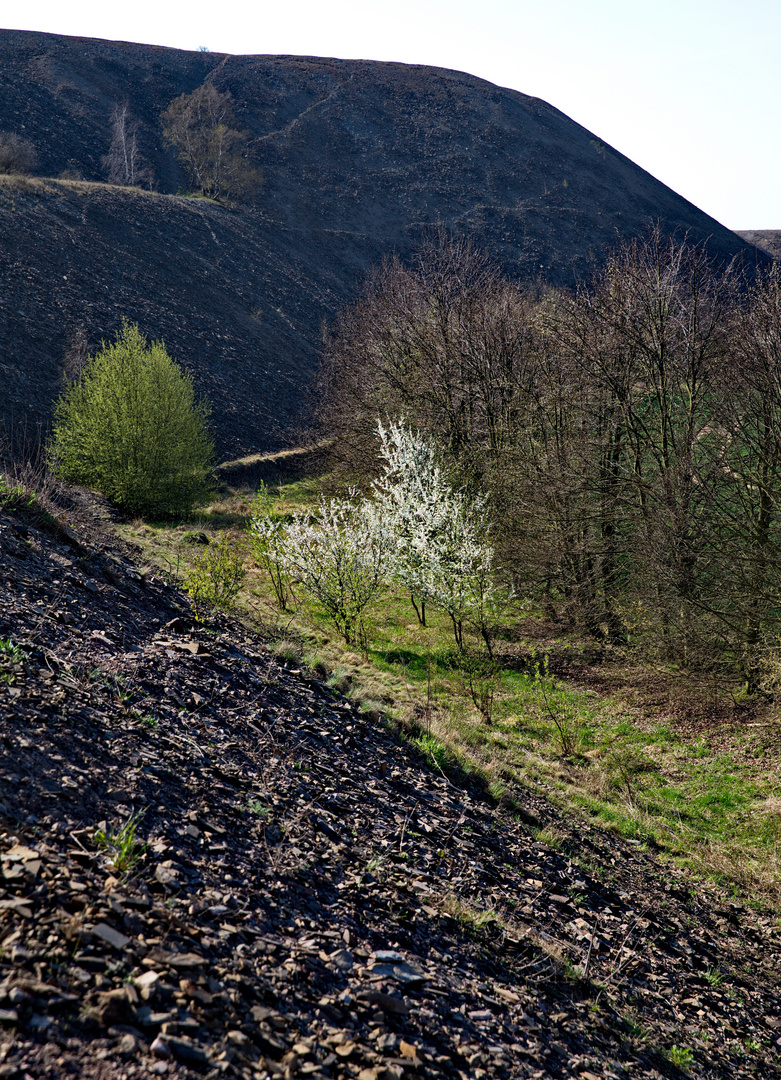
(310, 897)
(360, 159)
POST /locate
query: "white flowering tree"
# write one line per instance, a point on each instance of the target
(340, 555)
(415, 529)
(441, 549)
(410, 498)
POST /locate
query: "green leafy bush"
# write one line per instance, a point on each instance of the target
(215, 576)
(131, 427)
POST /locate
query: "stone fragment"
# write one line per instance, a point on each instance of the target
(111, 936)
(187, 1051)
(113, 1007)
(160, 1048)
(127, 1045)
(343, 959)
(389, 1003)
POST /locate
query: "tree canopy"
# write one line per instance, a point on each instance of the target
(130, 426)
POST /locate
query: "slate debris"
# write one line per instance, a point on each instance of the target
(310, 899)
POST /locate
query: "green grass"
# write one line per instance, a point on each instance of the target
(710, 799)
(122, 845)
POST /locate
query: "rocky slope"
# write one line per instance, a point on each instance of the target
(359, 159)
(309, 897)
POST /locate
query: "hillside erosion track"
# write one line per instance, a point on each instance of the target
(297, 892)
(360, 160)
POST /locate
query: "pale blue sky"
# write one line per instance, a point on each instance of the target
(689, 89)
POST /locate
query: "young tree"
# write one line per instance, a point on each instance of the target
(267, 537)
(341, 556)
(201, 127)
(440, 536)
(131, 427)
(123, 163)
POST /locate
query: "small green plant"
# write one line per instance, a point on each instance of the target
(148, 719)
(377, 866)
(122, 845)
(681, 1056)
(11, 652)
(255, 806)
(287, 651)
(552, 838)
(471, 917)
(13, 495)
(215, 577)
(714, 977)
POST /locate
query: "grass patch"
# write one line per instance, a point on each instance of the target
(122, 845)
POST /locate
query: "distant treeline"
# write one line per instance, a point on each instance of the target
(629, 435)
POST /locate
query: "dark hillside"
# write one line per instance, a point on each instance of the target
(309, 897)
(359, 158)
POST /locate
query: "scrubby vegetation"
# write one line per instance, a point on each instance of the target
(17, 154)
(657, 753)
(582, 492)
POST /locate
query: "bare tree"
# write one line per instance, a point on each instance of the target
(444, 343)
(17, 154)
(124, 164)
(629, 436)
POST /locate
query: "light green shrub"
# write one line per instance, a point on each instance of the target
(131, 427)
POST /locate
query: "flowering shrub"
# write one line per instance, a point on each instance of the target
(340, 555)
(441, 549)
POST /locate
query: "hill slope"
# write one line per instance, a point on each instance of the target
(359, 158)
(768, 240)
(309, 896)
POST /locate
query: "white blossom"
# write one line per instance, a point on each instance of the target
(341, 555)
(441, 548)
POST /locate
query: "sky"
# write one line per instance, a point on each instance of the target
(688, 89)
